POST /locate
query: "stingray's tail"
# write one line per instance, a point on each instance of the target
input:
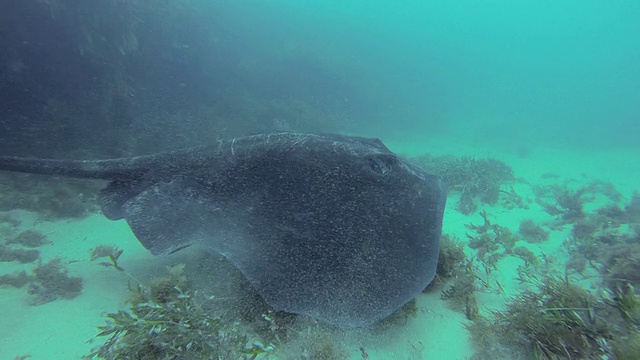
(113, 169)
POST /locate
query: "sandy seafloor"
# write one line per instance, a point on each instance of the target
(61, 329)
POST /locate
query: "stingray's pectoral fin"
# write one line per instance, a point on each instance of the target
(116, 194)
(164, 216)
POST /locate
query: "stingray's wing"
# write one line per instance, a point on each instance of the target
(147, 191)
(166, 215)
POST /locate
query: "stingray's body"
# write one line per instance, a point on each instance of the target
(333, 227)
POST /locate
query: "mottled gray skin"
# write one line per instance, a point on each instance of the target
(333, 227)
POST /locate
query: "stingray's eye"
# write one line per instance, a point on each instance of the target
(382, 164)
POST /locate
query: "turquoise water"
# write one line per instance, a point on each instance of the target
(549, 89)
(545, 71)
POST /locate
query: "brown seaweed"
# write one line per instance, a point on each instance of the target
(51, 282)
(112, 254)
(20, 255)
(531, 232)
(29, 238)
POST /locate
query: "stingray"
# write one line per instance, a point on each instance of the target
(333, 227)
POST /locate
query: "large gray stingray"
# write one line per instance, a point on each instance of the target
(333, 227)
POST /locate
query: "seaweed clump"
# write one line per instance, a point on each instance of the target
(492, 241)
(530, 259)
(632, 209)
(602, 243)
(567, 203)
(626, 344)
(451, 258)
(164, 289)
(111, 253)
(50, 197)
(474, 179)
(531, 232)
(621, 265)
(462, 293)
(51, 281)
(555, 320)
(454, 265)
(17, 280)
(29, 238)
(20, 255)
(166, 321)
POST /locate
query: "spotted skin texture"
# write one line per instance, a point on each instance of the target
(333, 227)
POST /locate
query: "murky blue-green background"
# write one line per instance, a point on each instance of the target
(552, 88)
(175, 73)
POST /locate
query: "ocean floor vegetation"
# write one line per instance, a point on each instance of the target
(17, 254)
(29, 238)
(46, 281)
(557, 280)
(50, 197)
(585, 308)
(477, 180)
(110, 253)
(50, 281)
(166, 321)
